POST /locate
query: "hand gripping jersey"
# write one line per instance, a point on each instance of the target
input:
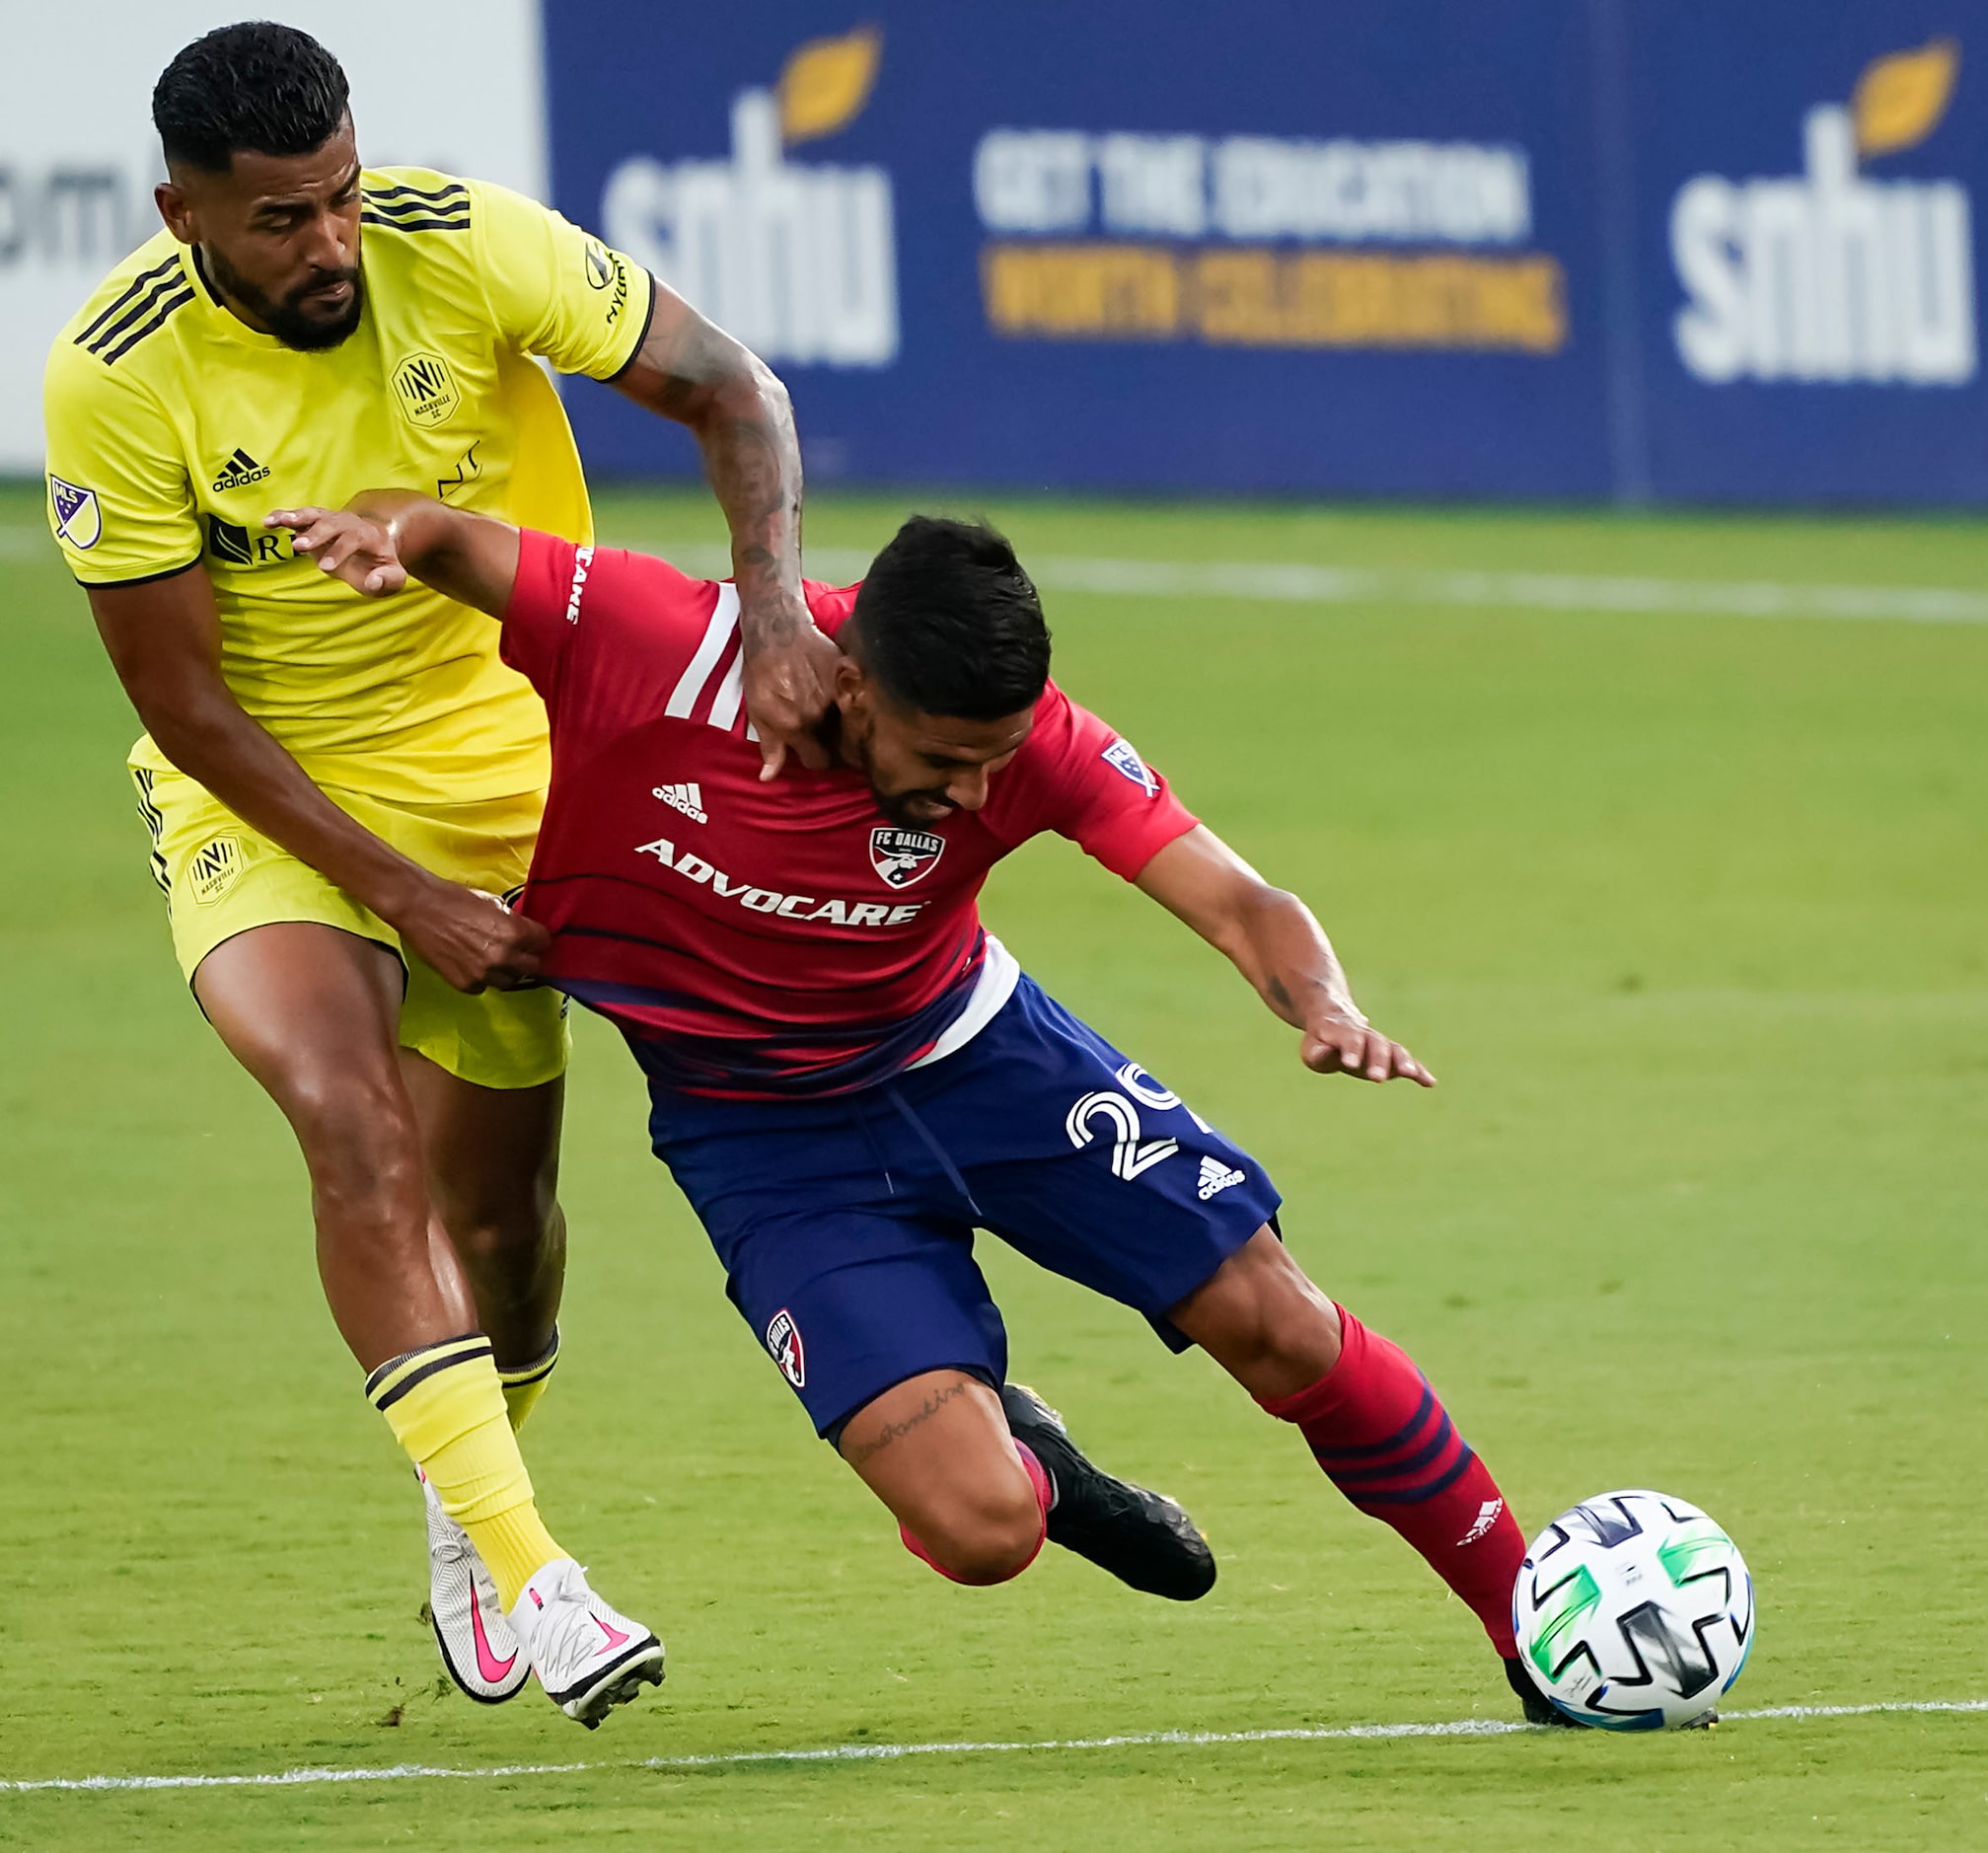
(768, 940)
(174, 428)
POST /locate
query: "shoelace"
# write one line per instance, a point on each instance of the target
(564, 1632)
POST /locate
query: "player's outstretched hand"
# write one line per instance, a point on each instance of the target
(354, 548)
(1339, 1046)
(471, 938)
(790, 685)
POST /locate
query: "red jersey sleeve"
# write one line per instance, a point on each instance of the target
(536, 628)
(607, 637)
(1078, 776)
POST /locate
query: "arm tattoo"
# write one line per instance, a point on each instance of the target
(897, 1431)
(698, 376)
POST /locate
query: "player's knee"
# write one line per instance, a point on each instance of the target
(988, 1538)
(1263, 1320)
(357, 1133)
(510, 1231)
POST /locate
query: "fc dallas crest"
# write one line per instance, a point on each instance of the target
(903, 856)
(784, 1340)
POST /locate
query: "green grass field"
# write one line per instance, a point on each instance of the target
(1687, 913)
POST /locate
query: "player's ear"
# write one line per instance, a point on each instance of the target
(851, 686)
(174, 210)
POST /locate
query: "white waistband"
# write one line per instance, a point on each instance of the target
(992, 989)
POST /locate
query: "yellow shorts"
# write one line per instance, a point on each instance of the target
(221, 879)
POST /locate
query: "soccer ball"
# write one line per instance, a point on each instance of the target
(1634, 1611)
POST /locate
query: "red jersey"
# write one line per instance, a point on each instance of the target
(766, 939)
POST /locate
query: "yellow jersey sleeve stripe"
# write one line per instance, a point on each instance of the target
(445, 210)
(125, 324)
(139, 284)
(434, 196)
(168, 308)
(414, 225)
(131, 307)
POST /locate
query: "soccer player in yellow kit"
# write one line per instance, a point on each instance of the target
(339, 789)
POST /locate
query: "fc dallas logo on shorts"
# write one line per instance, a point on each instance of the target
(784, 1340)
(903, 856)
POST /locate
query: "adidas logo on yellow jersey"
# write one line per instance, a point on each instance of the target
(239, 471)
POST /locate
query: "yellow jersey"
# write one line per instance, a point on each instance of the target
(174, 428)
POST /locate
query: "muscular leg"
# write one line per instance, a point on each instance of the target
(313, 1013)
(1369, 1416)
(1262, 1321)
(492, 1158)
(936, 1449)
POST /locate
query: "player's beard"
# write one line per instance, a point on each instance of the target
(897, 806)
(847, 746)
(285, 319)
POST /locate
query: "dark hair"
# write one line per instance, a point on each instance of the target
(949, 624)
(258, 87)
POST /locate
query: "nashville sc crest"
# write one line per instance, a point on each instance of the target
(903, 856)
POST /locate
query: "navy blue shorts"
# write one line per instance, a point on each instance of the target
(846, 1226)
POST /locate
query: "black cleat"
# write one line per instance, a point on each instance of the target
(1142, 1538)
(1539, 1709)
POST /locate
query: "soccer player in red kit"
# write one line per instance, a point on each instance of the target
(850, 1076)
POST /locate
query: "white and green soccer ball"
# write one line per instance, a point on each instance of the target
(1634, 1611)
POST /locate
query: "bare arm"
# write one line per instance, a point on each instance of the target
(691, 371)
(382, 536)
(164, 638)
(1273, 941)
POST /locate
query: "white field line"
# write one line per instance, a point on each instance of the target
(890, 1753)
(1383, 585)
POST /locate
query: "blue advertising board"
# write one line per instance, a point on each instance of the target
(1806, 315)
(1517, 248)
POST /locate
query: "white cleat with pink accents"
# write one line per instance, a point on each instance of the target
(475, 1635)
(588, 1657)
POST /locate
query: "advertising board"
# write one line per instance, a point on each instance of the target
(1807, 223)
(1338, 249)
(1648, 250)
(1669, 249)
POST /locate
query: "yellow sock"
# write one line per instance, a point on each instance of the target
(446, 1408)
(525, 1383)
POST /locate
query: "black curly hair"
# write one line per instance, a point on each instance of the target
(257, 86)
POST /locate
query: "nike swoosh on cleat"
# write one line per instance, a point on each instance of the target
(487, 1664)
(615, 1636)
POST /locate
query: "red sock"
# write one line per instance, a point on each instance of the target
(1387, 1443)
(1038, 1478)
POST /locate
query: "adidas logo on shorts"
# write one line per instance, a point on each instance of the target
(1215, 1176)
(685, 798)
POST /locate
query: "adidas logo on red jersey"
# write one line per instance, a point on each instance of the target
(686, 798)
